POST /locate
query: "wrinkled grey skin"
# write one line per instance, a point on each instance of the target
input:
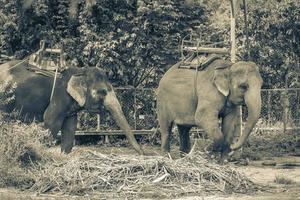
(216, 94)
(79, 88)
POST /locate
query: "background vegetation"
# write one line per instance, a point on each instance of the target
(136, 40)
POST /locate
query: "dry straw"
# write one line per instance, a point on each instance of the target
(112, 175)
(133, 176)
(21, 146)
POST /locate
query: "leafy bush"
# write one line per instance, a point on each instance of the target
(7, 97)
(274, 40)
(134, 41)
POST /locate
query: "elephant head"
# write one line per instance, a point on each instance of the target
(91, 89)
(241, 84)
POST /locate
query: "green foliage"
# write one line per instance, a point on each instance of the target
(133, 40)
(274, 37)
(7, 96)
(136, 40)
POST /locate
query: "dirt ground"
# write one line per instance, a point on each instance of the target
(262, 172)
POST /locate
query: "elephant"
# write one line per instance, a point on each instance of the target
(75, 89)
(191, 97)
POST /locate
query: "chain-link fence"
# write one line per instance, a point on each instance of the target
(139, 107)
(280, 110)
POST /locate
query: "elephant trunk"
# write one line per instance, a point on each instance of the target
(253, 103)
(112, 104)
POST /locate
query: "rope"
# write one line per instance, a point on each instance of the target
(195, 84)
(21, 62)
(54, 83)
(55, 77)
(196, 75)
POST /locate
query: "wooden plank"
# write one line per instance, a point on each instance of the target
(53, 50)
(148, 132)
(120, 132)
(207, 50)
(5, 56)
(281, 89)
(276, 128)
(114, 132)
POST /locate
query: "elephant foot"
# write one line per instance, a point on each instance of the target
(217, 153)
(214, 148)
(66, 149)
(223, 161)
(56, 142)
(218, 158)
(225, 149)
(136, 146)
(166, 154)
(165, 149)
(184, 151)
(182, 154)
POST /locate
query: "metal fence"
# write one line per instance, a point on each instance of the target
(139, 107)
(280, 110)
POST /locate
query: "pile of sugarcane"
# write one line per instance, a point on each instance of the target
(136, 176)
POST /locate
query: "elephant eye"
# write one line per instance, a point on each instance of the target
(102, 92)
(244, 86)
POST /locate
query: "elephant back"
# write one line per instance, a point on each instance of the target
(30, 91)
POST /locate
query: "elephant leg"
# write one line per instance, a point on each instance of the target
(185, 144)
(207, 119)
(229, 129)
(54, 118)
(54, 125)
(68, 133)
(165, 130)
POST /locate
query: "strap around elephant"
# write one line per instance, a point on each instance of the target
(43, 72)
(199, 63)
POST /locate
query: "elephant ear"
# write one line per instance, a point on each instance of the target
(77, 88)
(221, 81)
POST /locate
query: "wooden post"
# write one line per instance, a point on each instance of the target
(78, 126)
(269, 108)
(285, 104)
(135, 110)
(297, 120)
(246, 30)
(285, 110)
(106, 138)
(98, 122)
(233, 53)
(232, 30)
